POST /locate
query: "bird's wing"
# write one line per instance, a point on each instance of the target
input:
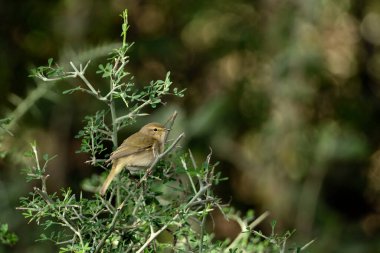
(132, 145)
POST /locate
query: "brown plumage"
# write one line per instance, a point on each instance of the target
(137, 152)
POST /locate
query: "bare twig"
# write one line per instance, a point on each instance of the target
(159, 157)
(169, 123)
(188, 175)
(307, 245)
(192, 159)
(244, 230)
(155, 234)
(203, 223)
(80, 73)
(110, 230)
(109, 207)
(129, 115)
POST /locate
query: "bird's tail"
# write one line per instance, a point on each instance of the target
(114, 171)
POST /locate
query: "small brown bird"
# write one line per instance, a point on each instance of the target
(137, 152)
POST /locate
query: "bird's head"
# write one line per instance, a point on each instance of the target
(155, 130)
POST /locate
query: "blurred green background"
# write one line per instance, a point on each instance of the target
(286, 93)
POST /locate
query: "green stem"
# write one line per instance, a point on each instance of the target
(125, 27)
(114, 136)
(114, 123)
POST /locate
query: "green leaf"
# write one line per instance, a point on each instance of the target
(70, 91)
(45, 157)
(7, 237)
(28, 153)
(50, 61)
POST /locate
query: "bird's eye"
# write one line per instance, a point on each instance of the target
(155, 129)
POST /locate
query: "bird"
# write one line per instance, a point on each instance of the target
(137, 152)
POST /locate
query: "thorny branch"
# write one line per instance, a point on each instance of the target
(159, 157)
(50, 202)
(154, 235)
(244, 229)
(120, 207)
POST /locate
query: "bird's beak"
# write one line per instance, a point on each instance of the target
(167, 129)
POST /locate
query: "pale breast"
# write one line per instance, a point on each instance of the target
(137, 161)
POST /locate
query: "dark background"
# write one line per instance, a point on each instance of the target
(286, 93)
